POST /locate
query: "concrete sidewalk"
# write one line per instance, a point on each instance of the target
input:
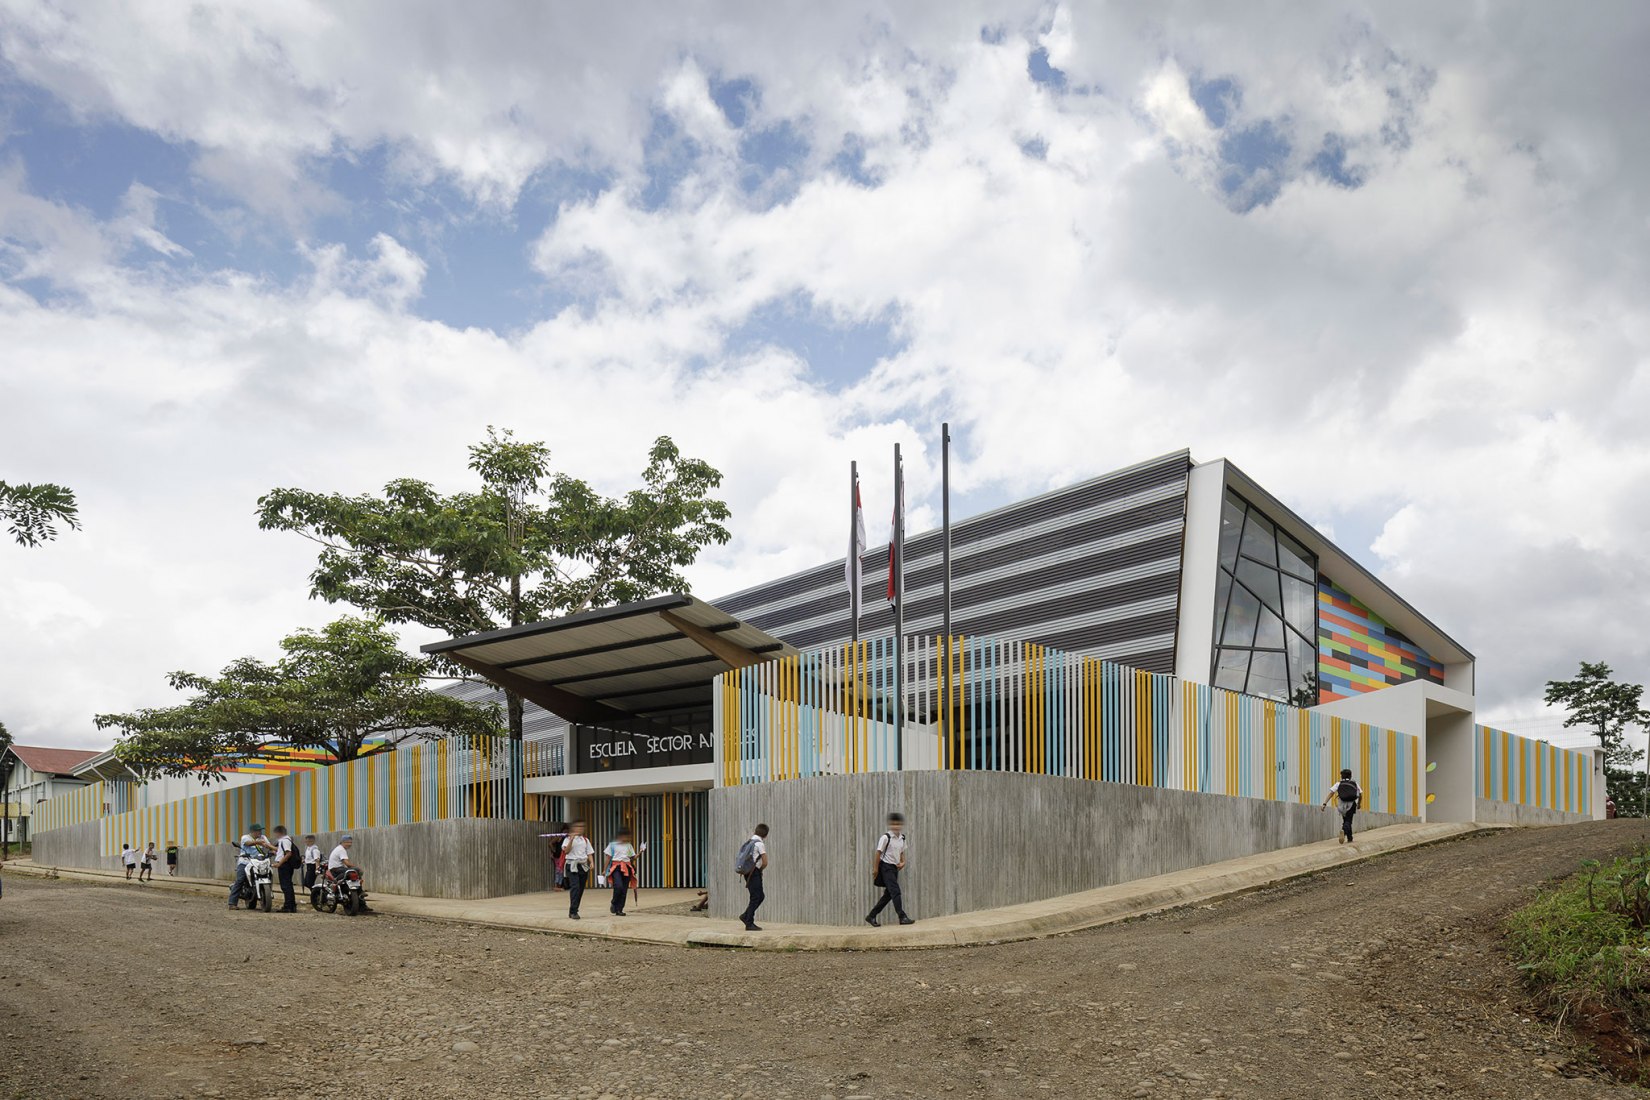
(546, 912)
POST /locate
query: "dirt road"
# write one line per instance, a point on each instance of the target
(1384, 979)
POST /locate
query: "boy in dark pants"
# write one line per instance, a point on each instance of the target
(753, 877)
(287, 860)
(580, 854)
(1350, 794)
(621, 870)
(886, 864)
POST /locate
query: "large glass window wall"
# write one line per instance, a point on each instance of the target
(1266, 609)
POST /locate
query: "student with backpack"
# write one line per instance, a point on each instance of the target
(580, 854)
(171, 859)
(886, 864)
(287, 859)
(1350, 794)
(751, 861)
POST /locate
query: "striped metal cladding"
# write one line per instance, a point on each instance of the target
(1021, 707)
(1093, 568)
(455, 778)
(1533, 773)
(673, 824)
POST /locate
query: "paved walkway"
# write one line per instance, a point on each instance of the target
(548, 912)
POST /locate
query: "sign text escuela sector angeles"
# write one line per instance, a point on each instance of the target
(597, 749)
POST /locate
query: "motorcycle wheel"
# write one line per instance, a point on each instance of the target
(352, 904)
(269, 900)
(315, 898)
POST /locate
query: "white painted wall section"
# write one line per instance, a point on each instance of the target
(1200, 563)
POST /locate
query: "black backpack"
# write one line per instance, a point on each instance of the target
(1346, 791)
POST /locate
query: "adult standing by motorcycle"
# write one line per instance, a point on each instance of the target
(339, 861)
(286, 863)
(253, 844)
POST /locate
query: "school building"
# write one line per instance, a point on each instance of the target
(1164, 665)
(1169, 631)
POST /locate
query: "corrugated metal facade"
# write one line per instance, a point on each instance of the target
(1093, 569)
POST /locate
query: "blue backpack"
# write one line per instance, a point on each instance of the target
(745, 862)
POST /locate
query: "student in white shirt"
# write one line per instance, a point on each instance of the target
(753, 877)
(886, 864)
(286, 862)
(621, 870)
(146, 863)
(312, 860)
(128, 856)
(580, 854)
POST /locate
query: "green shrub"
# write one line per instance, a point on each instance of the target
(1586, 939)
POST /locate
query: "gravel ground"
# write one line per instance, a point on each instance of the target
(1385, 979)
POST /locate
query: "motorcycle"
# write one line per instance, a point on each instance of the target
(260, 889)
(331, 892)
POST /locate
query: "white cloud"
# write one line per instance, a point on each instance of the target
(1455, 354)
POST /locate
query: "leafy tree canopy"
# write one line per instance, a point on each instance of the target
(1603, 707)
(531, 543)
(31, 513)
(1606, 708)
(332, 690)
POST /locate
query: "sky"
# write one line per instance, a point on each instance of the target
(1393, 260)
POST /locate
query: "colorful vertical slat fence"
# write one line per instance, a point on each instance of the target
(1020, 707)
(1533, 773)
(673, 825)
(453, 778)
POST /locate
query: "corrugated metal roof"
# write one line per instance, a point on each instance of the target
(628, 657)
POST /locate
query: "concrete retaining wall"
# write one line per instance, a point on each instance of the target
(464, 858)
(1513, 813)
(984, 839)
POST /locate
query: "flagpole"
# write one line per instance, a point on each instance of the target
(854, 582)
(945, 599)
(899, 611)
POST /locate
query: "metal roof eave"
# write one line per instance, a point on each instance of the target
(1300, 529)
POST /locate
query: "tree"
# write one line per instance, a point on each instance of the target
(1605, 709)
(530, 544)
(332, 690)
(31, 512)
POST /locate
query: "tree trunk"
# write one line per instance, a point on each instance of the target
(513, 705)
(512, 701)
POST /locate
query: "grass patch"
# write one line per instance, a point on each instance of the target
(1584, 948)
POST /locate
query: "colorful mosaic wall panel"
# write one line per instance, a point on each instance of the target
(1533, 773)
(1358, 651)
(458, 777)
(1020, 707)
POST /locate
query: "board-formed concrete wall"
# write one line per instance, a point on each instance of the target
(459, 858)
(1488, 812)
(984, 839)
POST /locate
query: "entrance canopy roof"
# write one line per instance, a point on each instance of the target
(614, 665)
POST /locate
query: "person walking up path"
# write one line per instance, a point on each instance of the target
(886, 864)
(128, 859)
(146, 863)
(621, 870)
(172, 859)
(286, 862)
(751, 861)
(1350, 794)
(579, 852)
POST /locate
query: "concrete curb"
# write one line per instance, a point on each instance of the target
(1032, 920)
